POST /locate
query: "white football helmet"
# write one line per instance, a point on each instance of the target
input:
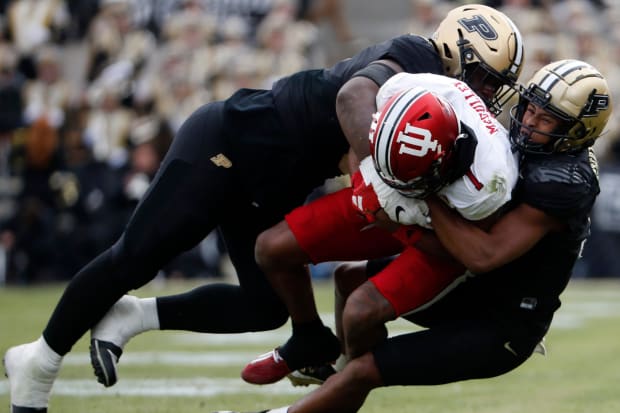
(482, 47)
(574, 92)
(411, 141)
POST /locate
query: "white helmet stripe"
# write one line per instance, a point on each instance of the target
(518, 59)
(559, 72)
(384, 137)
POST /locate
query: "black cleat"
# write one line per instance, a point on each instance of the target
(104, 357)
(19, 409)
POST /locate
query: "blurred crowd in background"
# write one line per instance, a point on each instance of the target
(93, 91)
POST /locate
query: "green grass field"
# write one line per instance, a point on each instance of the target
(188, 372)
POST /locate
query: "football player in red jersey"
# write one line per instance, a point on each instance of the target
(410, 160)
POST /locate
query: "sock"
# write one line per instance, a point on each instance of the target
(308, 328)
(48, 356)
(150, 320)
(127, 318)
(312, 344)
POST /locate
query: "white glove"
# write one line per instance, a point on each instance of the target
(399, 208)
(410, 211)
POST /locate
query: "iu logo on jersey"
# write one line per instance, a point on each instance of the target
(416, 141)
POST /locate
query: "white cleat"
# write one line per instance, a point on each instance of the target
(31, 377)
(109, 336)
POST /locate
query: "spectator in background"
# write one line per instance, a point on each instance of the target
(177, 80)
(48, 95)
(235, 60)
(282, 46)
(317, 11)
(11, 102)
(34, 23)
(426, 14)
(11, 120)
(34, 255)
(81, 15)
(109, 121)
(114, 37)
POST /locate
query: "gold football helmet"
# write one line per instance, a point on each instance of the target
(484, 48)
(573, 91)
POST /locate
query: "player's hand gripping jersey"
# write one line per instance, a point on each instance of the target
(486, 184)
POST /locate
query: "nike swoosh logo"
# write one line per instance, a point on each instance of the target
(509, 348)
(399, 210)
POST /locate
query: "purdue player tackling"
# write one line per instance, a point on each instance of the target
(493, 323)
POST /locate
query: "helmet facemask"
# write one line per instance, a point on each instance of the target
(481, 77)
(422, 186)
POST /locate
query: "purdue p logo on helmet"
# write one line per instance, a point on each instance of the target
(411, 140)
(477, 40)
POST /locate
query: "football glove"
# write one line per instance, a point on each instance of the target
(410, 211)
(399, 208)
(364, 197)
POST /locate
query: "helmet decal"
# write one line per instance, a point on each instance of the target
(411, 140)
(478, 24)
(391, 119)
(483, 47)
(597, 104)
(416, 141)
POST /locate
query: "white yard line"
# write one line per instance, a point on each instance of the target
(200, 387)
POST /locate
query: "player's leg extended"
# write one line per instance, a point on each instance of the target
(210, 195)
(157, 231)
(328, 229)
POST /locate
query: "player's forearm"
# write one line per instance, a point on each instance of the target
(467, 243)
(355, 106)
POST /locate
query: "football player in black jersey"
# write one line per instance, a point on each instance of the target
(497, 318)
(240, 165)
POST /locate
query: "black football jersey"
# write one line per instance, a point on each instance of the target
(288, 139)
(564, 186)
(307, 99)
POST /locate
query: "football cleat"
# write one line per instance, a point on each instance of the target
(20, 409)
(31, 378)
(311, 375)
(109, 336)
(266, 369)
(104, 356)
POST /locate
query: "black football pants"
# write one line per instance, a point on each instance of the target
(190, 196)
